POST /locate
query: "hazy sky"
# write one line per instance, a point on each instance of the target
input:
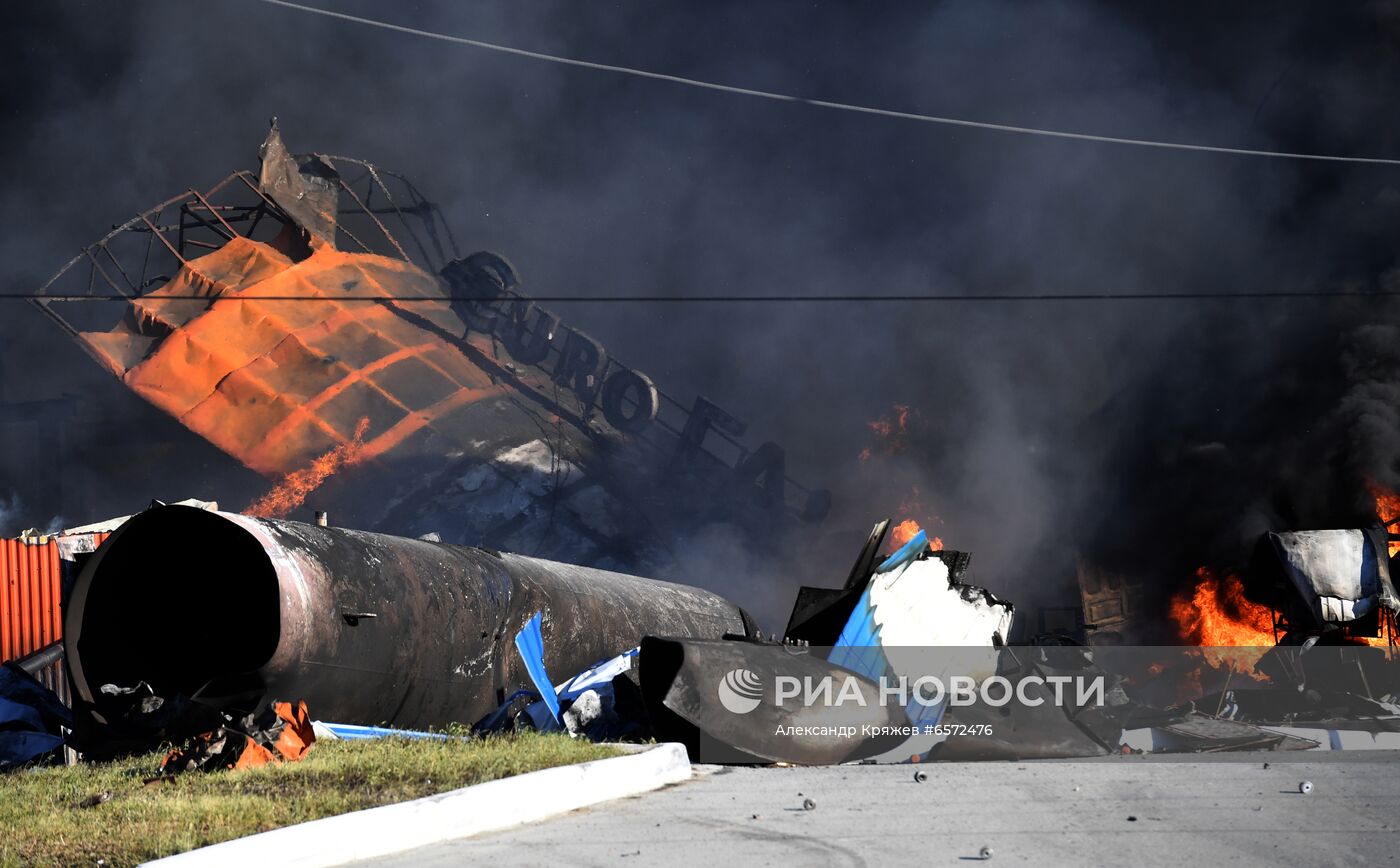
(1180, 427)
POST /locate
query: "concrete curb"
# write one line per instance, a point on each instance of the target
(458, 814)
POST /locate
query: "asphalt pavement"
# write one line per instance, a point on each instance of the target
(1139, 811)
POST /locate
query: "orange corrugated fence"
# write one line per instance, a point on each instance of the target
(30, 575)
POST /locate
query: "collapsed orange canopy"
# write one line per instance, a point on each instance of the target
(272, 362)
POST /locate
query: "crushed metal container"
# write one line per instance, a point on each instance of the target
(367, 628)
(31, 586)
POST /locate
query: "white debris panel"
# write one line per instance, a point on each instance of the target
(1342, 575)
(917, 604)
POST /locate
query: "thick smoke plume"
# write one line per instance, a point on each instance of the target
(11, 508)
(1151, 436)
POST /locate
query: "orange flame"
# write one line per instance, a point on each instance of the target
(889, 432)
(886, 426)
(1387, 508)
(291, 491)
(1374, 641)
(1216, 614)
(905, 531)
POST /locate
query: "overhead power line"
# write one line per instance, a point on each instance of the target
(743, 299)
(819, 103)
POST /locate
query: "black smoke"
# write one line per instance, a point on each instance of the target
(1153, 436)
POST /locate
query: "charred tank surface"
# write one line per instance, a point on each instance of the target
(365, 627)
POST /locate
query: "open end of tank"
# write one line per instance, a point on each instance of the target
(180, 597)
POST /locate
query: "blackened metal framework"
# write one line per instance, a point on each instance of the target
(146, 251)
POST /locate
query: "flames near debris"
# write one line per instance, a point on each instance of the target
(402, 619)
(292, 491)
(1217, 613)
(315, 321)
(296, 332)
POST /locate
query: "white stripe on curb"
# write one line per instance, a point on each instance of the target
(458, 814)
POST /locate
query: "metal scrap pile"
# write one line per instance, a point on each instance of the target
(288, 324)
(905, 661)
(836, 688)
(319, 307)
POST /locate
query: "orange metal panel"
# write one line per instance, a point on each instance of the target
(27, 587)
(14, 562)
(14, 556)
(55, 597)
(55, 589)
(48, 593)
(25, 609)
(43, 598)
(31, 583)
(40, 557)
(36, 572)
(275, 383)
(7, 583)
(36, 566)
(12, 618)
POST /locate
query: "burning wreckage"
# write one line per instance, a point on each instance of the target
(904, 661)
(297, 358)
(279, 317)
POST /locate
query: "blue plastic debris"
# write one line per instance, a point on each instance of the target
(599, 676)
(542, 718)
(504, 716)
(19, 747)
(351, 732)
(907, 552)
(858, 646)
(530, 643)
(31, 718)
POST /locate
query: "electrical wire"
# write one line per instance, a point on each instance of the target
(750, 299)
(819, 103)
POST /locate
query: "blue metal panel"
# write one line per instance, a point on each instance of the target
(530, 643)
(916, 546)
(351, 732)
(858, 646)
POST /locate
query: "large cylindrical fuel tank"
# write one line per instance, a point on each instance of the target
(367, 628)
